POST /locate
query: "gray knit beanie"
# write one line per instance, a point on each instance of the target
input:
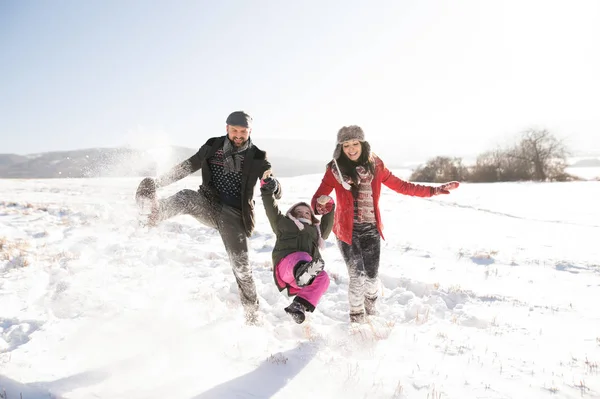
(347, 133)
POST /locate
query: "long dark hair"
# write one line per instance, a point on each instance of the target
(348, 167)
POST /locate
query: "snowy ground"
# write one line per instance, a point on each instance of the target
(491, 292)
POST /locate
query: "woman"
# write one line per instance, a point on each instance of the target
(356, 174)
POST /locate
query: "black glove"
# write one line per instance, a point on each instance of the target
(269, 185)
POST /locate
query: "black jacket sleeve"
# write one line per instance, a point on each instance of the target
(185, 168)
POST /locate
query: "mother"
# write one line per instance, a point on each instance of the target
(356, 174)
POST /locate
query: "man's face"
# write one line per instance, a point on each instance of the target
(238, 135)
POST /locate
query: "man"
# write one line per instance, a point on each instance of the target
(231, 165)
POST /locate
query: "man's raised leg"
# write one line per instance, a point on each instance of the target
(188, 202)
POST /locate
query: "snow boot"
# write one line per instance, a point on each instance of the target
(305, 272)
(145, 198)
(252, 315)
(358, 318)
(296, 310)
(370, 307)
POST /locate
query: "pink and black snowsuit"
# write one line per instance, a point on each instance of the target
(297, 241)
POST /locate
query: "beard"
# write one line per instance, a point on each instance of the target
(238, 141)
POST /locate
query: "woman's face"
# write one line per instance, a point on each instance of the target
(352, 149)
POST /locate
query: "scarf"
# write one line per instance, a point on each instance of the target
(364, 176)
(232, 159)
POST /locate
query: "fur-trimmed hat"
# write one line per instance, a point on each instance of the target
(347, 133)
(315, 222)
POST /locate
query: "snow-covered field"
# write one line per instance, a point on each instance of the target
(490, 292)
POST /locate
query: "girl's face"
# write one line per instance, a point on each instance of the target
(302, 211)
(352, 149)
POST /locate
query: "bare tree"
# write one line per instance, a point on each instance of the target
(498, 165)
(543, 152)
(538, 155)
(488, 167)
(440, 170)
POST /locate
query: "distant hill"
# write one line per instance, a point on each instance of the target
(586, 163)
(95, 162)
(124, 162)
(10, 159)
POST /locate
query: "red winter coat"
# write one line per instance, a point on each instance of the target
(344, 210)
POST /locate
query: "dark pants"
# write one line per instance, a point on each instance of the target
(228, 222)
(362, 261)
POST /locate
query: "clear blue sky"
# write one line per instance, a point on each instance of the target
(437, 76)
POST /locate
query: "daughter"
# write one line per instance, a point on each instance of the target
(298, 265)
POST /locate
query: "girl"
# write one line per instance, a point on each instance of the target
(297, 262)
(356, 175)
